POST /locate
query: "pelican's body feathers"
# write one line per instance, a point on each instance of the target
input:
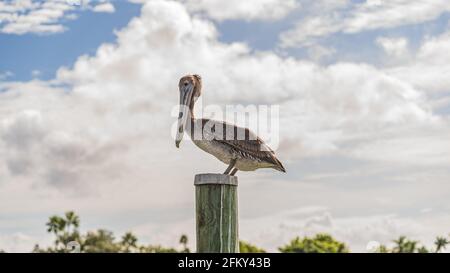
(236, 146)
(250, 151)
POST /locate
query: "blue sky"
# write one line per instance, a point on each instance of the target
(364, 115)
(23, 54)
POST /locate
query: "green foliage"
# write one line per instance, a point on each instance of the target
(100, 241)
(422, 249)
(321, 243)
(184, 242)
(245, 247)
(65, 230)
(441, 243)
(129, 242)
(404, 245)
(382, 249)
(157, 249)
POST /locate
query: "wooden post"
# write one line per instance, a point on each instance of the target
(216, 213)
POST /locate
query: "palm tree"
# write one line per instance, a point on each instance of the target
(129, 240)
(72, 220)
(404, 245)
(184, 242)
(400, 242)
(56, 225)
(441, 243)
(422, 249)
(410, 246)
(52, 224)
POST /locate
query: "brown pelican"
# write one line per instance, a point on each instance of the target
(236, 146)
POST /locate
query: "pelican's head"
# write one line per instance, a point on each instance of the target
(190, 87)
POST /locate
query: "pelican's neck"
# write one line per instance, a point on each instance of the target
(191, 120)
(191, 110)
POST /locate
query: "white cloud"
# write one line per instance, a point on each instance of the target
(260, 10)
(328, 95)
(71, 16)
(5, 75)
(16, 6)
(388, 14)
(429, 149)
(104, 7)
(242, 10)
(23, 129)
(35, 17)
(35, 73)
(318, 52)
(306, 31)
(322, 107)
(430, 67)
(277, 230)
(17, 242)
(394, 47)
(363, 16)
(42, 17)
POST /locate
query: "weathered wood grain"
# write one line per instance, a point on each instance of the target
(216, 213)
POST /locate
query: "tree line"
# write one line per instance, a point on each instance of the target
(67, 238)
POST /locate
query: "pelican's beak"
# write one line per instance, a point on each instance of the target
(185, 99)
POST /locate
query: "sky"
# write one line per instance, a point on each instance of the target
(88, 88)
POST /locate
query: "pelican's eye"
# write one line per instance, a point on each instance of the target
(186, 83)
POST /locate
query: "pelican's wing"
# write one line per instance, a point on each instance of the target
(245, 143)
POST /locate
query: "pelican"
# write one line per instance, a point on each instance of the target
(235, 146)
